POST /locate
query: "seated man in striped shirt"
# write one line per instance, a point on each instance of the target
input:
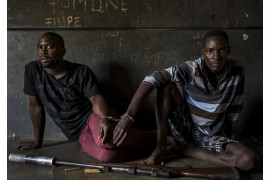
(207, 114)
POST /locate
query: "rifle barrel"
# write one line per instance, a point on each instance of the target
(141, 169)
(130, 169)
(79, 165)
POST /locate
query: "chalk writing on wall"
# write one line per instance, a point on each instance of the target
(198, 38)
(152, 59)
(111, 34)
(88, 5)
(63, 22)
(77, 6)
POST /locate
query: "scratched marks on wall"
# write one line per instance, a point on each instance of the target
(133, 13)
(88, 7)
(62, 22)
(198, 38)
(153, 59)
(113, 46)
(110, 41)
(100, 6)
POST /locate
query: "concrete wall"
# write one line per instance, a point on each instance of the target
(122, 41)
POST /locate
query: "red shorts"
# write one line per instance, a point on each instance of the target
(137, 143)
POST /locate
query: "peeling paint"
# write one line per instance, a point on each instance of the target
(245, 37)
(11, 136)
(246, 14)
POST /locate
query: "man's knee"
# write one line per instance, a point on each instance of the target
(246, 161)
(104, 157)
(109, 156)
(244, 158)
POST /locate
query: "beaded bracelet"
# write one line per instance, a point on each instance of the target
(110, 118)
(129, 117)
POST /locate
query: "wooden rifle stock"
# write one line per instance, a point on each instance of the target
(228, 173)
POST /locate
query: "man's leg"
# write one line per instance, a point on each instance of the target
(136, 139)
(219, 150)
(236, 155)
(166, 101)
(102, 154)
(137, 143)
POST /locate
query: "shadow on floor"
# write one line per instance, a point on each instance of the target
(71, 152)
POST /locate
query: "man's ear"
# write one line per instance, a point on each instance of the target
(64, 51)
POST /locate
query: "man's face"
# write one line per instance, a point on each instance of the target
(50, 51)
(215, 51)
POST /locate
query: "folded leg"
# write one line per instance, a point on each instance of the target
(137, 144)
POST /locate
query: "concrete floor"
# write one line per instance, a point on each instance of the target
(70, 152)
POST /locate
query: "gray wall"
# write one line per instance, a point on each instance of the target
(122, 41)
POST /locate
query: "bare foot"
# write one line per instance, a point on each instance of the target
(156, 157)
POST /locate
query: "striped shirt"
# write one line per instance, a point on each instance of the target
(210, 107)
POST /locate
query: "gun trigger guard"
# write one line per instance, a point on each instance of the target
(106, 169)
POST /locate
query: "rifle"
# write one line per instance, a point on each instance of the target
(228, 173)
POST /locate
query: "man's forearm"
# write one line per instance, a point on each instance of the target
(141, 94)
(38, 119)
(149, 83)
(100, 107)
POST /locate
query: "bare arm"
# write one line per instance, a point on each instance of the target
(37, 115)
(100, 108)
(120, 131)
(141, 94)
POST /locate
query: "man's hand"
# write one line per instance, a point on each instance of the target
(120, 131)
(100, 108)
(105, 130)
(28, 145)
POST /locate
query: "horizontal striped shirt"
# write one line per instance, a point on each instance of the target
(210, 107)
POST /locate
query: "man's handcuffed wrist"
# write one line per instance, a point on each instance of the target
(110, 118)
(129, 117)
